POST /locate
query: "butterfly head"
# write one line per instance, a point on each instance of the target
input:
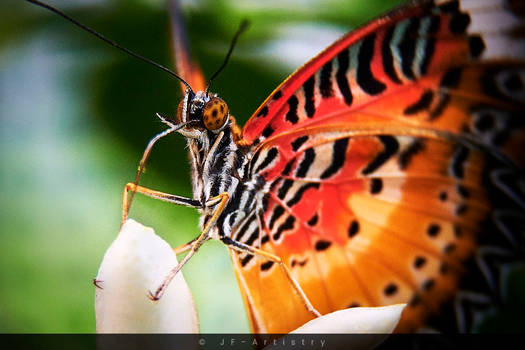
(205, 112)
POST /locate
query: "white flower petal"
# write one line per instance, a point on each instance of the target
(377, 322)
(356, 320)
(135, 263)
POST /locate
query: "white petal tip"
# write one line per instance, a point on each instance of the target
(376, 322)
(136, 263)
(356, 320)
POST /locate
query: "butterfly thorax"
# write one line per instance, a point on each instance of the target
(219, 162)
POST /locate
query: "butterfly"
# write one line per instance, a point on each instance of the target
(385, 170)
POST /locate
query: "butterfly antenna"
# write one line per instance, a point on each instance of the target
(108, 41)
(242, 28)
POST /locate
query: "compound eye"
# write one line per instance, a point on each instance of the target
(215, 114)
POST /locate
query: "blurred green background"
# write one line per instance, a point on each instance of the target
(76, 115)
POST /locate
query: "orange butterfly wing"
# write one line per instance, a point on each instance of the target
(381, 171)
(402, 117)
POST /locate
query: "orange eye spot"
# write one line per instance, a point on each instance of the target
(215, 114)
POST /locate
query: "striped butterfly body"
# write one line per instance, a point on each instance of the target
(388, 169)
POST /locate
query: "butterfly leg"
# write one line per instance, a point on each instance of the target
(96, 283)
(184, 247)
(244, 248)
(166, 197)
(129, 191)
(220, 201)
